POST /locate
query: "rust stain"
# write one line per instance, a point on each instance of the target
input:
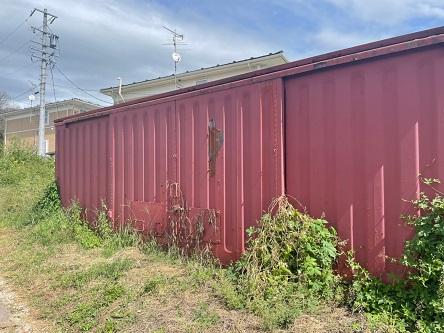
(215, 142)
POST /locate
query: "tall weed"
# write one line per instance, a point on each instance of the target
(288, 265)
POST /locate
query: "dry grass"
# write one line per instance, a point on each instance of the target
(162, 296)
(62, 287)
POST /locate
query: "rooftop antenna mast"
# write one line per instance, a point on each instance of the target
(177, 38)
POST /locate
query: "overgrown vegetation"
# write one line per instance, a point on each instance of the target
(83, 277)
(86, 277)
(288, 266)
(30, 203)
(415, 302)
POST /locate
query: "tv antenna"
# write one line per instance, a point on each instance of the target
(176, 39)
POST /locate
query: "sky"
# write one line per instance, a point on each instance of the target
(101, 40)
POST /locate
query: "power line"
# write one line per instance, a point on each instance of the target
(1, 60)
(72, 88)
(18, 70)
(14, 30)
(27, 91)
(53, 89)
(81, 88)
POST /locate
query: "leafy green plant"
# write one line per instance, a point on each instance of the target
(79, 230)
(16, 159)
(289, 251)
(415, 303)
(47, 204)
(204, 316)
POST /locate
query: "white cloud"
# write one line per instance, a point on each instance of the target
(431, 9)
(331, 39)
(104, 39)
(390, 12)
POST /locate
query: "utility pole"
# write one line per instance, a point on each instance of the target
(44, 31)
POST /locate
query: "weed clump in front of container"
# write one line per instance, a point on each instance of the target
(288, 265)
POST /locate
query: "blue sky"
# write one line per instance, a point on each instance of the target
(101, 40)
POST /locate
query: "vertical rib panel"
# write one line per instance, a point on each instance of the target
(268, 143)
(95, 163)
(185, 152)
(252, 145)
(381, 126)
(161, 156)
(358, 180)
(200, 164)
(171, 145)
(137, 157)
(151, 123)
(330, 140)
(211, 201)
(231, 149)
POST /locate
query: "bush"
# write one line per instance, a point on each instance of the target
(24, 177)
(416, 303)
(288, 265)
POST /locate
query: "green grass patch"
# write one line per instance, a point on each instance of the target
(103, 271)
(87, 277)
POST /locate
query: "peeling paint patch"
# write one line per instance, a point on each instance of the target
(215, 142)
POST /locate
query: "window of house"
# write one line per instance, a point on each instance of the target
(46, 117)
(46, 144)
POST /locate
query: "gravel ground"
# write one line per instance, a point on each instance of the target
(13, 315)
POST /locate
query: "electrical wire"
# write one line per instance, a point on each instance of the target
(4, 39)
(72, 88)
(81, 88)
(18, 49)
(27, 91)
(18, 70)
(53, 89)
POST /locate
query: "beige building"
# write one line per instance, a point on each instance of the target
(24, 123)
(183, 80)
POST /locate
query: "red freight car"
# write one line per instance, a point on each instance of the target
(346, 133)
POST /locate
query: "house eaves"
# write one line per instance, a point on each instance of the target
(51, 107)
(251, 63)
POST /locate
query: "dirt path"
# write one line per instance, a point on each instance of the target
(13, 315)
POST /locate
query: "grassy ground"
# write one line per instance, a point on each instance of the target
(74, 280)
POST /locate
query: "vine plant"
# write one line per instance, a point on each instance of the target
(415, 303)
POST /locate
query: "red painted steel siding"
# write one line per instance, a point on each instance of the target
(354, 127)
(83, 165)
(357, 137)
(151, 159)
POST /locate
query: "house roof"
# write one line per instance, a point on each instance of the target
(202, 71)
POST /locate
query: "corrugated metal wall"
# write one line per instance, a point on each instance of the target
(357, 138)
(211, 161)
(355, 129)
(83, 164)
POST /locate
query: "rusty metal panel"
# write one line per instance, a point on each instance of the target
(148, 217)
(200, 168)
(357, 137)
(360, 125)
